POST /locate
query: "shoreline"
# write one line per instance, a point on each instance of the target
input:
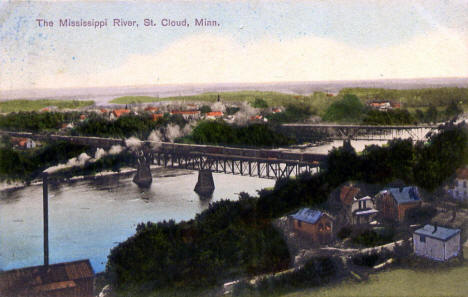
(5, 187)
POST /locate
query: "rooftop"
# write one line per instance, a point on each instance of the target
(438, 232)
(405, 195)
(308, 215)
(55, 277)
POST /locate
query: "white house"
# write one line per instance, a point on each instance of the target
(437, 243)
(460, 187)
(363, 210)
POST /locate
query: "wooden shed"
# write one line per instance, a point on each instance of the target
(393, 203)
(437, 243)
(313, 223)
(71, 279)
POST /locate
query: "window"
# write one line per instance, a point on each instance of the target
(299, 224)
(422, 238)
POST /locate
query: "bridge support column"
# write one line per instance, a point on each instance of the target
(205, 185)
(143, 177)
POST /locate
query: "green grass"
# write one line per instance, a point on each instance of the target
(34, 105)
(317, 100)
(400, 282)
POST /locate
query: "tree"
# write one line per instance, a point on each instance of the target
(259, 103)
(348, 109)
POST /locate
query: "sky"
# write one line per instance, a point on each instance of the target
(256, 41)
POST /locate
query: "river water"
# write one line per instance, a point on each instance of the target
(89, 217)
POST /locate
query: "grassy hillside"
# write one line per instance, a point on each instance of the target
(34, 105)
(318, 100)
(413, 97)
(400, 282)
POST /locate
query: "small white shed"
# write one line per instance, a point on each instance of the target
(437, 243)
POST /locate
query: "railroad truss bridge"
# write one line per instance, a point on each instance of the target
(206, 159)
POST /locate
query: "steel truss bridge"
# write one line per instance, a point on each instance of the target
(308, 132)
(262, 163)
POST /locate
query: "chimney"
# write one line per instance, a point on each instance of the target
(435, 228)
(45, 205)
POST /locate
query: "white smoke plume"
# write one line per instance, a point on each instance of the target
(115, 150)
(133, 143)
(73, 162)
(242, 117)
(100, 152)
(218, 106)
(172, 132)
(156, 138)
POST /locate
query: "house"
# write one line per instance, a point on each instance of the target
(75, 279)
(460, 188)
(437, 243)
(116, 113)
(380, 104)
(156, 116)
(314, 224)
(276, 110)
(212, 115)
(258, 118)
(152, 109)
(393, 203)
(23, 143)
(187, 114)
(363, 210)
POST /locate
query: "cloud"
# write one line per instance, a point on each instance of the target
(209, 58)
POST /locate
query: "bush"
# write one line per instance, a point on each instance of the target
(259, 103)
(348, 109)
(420, 215)
(371, 238)
(344, 232)
(213, 132)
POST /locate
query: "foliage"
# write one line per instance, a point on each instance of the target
(420, 215)
(348, 109)
(27, 165)
(232, 110)
(205, 109)
(297, 112)
(125, 126)
(315, 272)
(226, 240)
(259, 103)
(390, 117)
(215, 132)
(370, 238)
(412, 97)
(35, 105)
(36, 121)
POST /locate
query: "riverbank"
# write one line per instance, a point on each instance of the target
(124, 172)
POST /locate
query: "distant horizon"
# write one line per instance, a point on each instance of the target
(105, 94)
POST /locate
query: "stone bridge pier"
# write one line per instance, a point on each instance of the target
(143, 177)
(205, 184)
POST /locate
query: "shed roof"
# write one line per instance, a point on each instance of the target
(45, 278)
(438, 232)
(405, 195)
(308, 215)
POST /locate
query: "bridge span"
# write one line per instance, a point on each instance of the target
(262, 163)
(312, 132)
